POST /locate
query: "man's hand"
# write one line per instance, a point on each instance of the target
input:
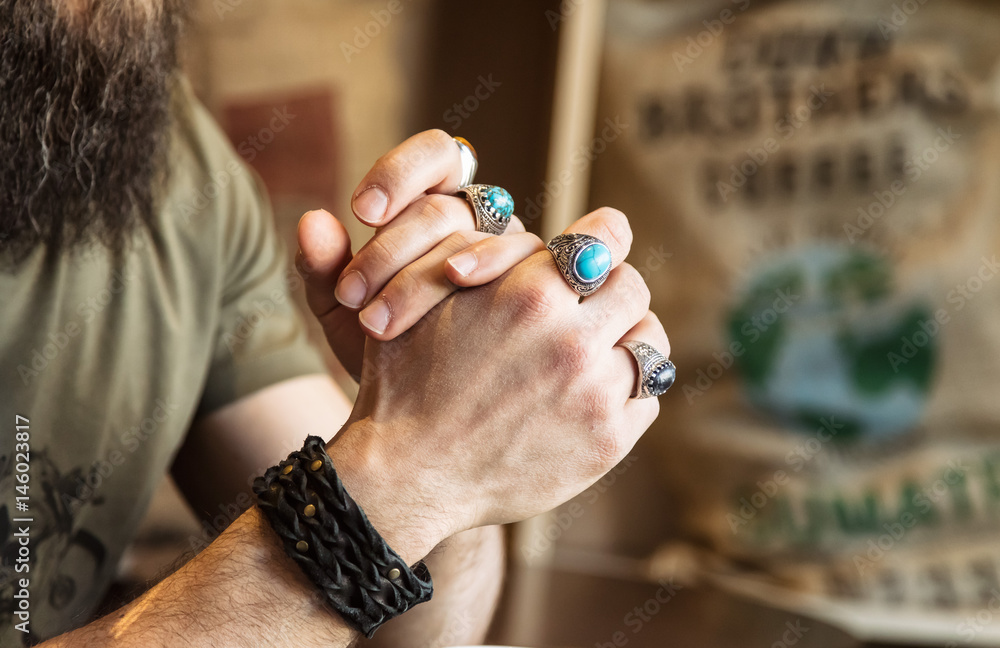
(425, 247)
(506, 401)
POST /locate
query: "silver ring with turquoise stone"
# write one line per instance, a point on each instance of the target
(584, 260)
(656, 373)
(493, 207)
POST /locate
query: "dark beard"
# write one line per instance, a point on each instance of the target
(84, 121)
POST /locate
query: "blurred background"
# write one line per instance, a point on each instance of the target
(813, 191)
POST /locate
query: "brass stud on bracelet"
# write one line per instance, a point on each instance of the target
(316, 465)
(292, 511)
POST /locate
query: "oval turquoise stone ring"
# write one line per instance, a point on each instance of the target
(592, 262)
(585, 261)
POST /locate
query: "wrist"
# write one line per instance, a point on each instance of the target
(387, 491)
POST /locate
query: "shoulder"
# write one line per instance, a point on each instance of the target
(213, 203)
(207, 176)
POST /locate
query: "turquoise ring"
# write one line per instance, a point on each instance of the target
(493, 207)
(584, 260)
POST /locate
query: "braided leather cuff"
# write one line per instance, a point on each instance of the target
(331, 539)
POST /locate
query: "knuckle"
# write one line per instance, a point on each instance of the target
(400, 162)
(598, 408)
(607, 449)
(462, 239)
(429, 145)
(381, 250)
(614, 227)
(572, 354)
(397, 165)
(531, 304)
(434, 211)
(388, 169)
(406, 287)
(439, 138)
(604, 426)
(440, 143)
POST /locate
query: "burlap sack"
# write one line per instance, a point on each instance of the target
(813, 188)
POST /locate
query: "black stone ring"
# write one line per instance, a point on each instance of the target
(656, 373)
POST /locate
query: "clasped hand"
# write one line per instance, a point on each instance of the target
(483, 406)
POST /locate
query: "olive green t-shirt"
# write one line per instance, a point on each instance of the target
(106, 364)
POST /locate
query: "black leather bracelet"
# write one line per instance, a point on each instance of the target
(328, 535)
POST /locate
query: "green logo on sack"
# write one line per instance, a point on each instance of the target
(820, 326)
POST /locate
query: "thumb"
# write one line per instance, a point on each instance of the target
(324, 251)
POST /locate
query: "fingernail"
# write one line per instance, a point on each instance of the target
(352, 290)
(370, 205)
(376, 317)
(464, 263)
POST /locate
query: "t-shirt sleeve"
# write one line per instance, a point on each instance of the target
(260, 339)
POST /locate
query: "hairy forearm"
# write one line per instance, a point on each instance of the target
(241, 591)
